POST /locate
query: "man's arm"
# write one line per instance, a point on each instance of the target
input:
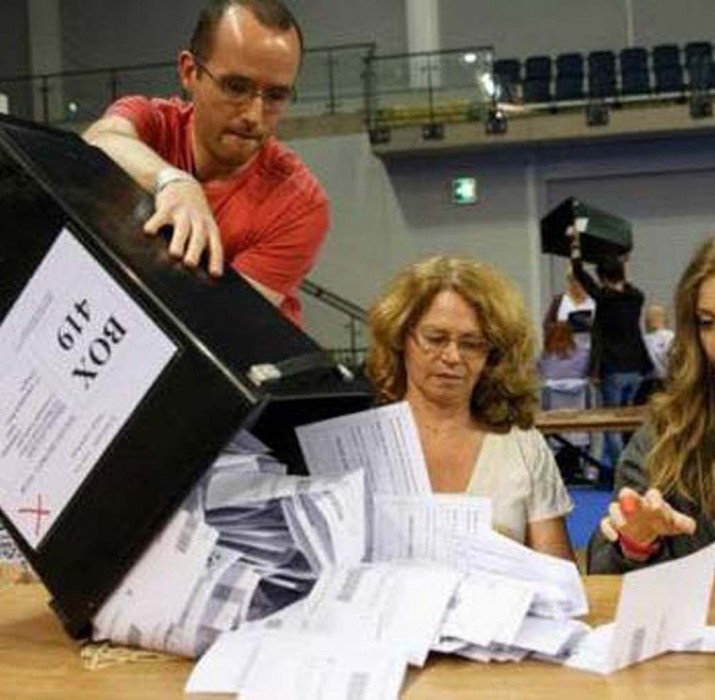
(582, 277)
(179, 198)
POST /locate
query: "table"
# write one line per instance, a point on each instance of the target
(37, 661)
(590, 419)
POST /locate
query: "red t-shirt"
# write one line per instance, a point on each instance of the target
(273, 215)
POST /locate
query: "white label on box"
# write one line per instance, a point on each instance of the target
(77, 355)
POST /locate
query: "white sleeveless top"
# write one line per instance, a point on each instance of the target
(517, 470)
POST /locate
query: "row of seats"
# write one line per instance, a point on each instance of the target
(665, 69)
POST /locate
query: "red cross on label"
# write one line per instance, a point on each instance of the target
(38, 511)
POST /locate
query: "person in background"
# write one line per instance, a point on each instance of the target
(658, 338)
(562, 358)
(219, 177)
(618, 358)
(574, 307)
(563, 367)
(664, 505)
(452, 338)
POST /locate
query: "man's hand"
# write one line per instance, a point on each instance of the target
(643, 519)
(182, 204)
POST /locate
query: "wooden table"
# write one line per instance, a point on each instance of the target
(590, 419)
(37, 661)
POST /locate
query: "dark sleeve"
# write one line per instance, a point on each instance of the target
(592, 287)
(603, 556)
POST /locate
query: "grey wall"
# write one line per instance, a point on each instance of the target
(523, 27)
(15, 51)
(388, 214)
(103, 32)
(106, 33)
(662, 21)
(14, 48)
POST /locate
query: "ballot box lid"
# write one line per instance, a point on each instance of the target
(602, 233)
(144, 368)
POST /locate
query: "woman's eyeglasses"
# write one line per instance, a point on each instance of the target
(434, 343)
(242, 90)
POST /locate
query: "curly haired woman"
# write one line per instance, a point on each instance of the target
(665, 481)
(452, 338)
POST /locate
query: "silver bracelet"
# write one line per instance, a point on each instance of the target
(168, 175)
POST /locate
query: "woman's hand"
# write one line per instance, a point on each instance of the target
(639, 521)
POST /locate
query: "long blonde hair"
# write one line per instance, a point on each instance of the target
(505, 394)
(682, 460)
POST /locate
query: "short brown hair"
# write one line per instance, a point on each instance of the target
(270, 13)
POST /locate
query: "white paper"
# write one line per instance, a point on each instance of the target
(659, 608)
(77, 355)
(488, 609)
(382, 441)
(403, 605)
(153, 595)
(424, 527)
(298, 666)
(559, 589)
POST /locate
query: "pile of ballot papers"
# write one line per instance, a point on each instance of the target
(331, 585)
(248, 541)
(413, 570)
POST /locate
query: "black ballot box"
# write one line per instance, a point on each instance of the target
(122, 373)
(602, 233)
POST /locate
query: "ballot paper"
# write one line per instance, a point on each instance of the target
(559, 591)
(702, 639)
(488, 609)
(382, 441)
(401, 604)
(414, 527)
(244, 544)
(653, 615)
(265, 665)
(143, 609)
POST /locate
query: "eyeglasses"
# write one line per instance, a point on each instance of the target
(242, 90)
(434, 343)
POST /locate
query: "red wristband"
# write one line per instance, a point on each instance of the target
(637, 550)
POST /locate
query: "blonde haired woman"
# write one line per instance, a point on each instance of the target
(451, 337)
(665, 480)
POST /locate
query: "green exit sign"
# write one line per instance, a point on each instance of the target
(464, 190)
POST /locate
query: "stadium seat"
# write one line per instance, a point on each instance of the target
(569, 77)
(699, 64)
(601, 74)
(635, 78)
(667, 68)
(537, 79)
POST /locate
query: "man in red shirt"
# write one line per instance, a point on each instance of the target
(220, 178)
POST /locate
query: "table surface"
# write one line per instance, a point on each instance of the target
(590, 419)
(37, 660)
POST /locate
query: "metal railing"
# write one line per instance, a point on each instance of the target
(330, 82)
(428, 87)
(354, 354)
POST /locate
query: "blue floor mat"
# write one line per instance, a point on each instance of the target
(590, 505)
